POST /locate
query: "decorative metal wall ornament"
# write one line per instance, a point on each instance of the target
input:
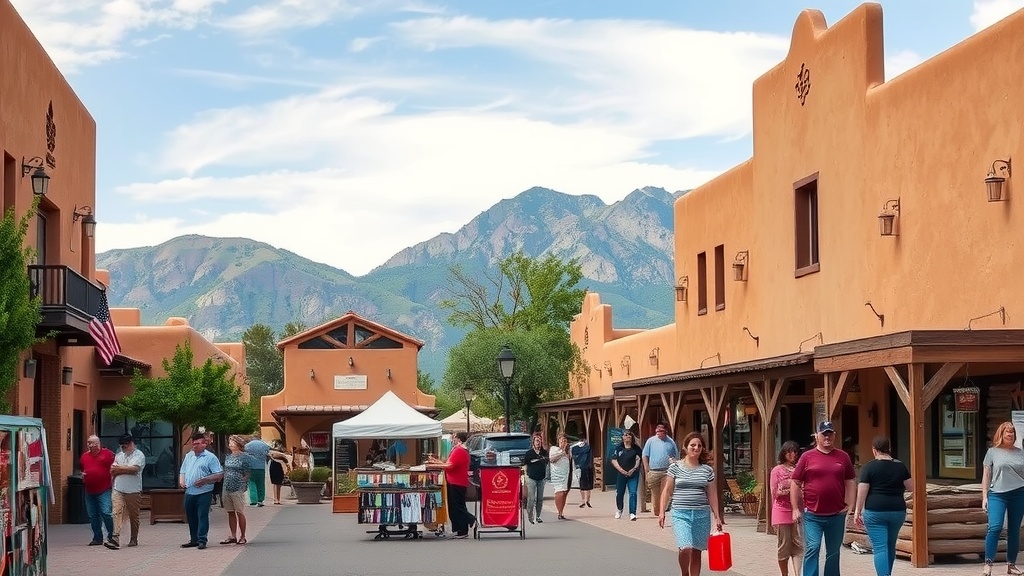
(803, 84)
(51, 137)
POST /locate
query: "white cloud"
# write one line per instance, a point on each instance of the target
(79, 33)
(360, 44)
(899, 62)
(988, 12)
(276, 15)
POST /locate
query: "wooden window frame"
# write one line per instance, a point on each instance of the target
(702, 283)
(806, 228)
(720, 277)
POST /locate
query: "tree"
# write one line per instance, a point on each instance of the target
(19, 314)
(425, 382)
(291, 329)
(524, 293)
(545, 360)
(264, 363)
(190, 396)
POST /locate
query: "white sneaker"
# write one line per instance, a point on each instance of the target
(632, 516)
(618, 514)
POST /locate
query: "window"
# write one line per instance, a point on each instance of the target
(702, 283)
(155, 439)
(807, 225)
(720, 277)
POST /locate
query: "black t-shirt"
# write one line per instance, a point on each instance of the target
(626, 457)
(885, 480)
(536, 464)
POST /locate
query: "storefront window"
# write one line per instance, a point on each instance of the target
(958, 447)
(155, 439)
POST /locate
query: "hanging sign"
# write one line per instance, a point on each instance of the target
(966, 399)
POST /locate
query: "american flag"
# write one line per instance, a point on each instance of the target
(102, 330)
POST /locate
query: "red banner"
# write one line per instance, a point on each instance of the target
(499, 495)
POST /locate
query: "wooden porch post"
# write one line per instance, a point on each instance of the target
(672, 402)
(714, 401)
(767, 396)
(643, 401)
(602, 420)
(911, 392)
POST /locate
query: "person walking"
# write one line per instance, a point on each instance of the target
(880, 507)
(627, 460)
(790, 539)
(456, 475)
(536, 460)
(559, 458)
(127, 495)
(236, 479)
(659, 451)
(96, 463)
(583, 460)
(1002, 495)
(279, 465)
(199, 472)
(822, 490)
(690, 487)
(259, 451)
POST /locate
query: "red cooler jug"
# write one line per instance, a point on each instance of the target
(720, 552)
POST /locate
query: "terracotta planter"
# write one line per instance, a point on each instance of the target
(346, 503)
(166, 505)
(308, 492)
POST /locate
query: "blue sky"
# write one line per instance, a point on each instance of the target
(345, 131)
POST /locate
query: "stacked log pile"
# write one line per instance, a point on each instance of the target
(956, 525)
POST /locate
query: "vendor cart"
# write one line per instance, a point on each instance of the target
(502, 505)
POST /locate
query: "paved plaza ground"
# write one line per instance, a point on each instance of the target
(297, 539)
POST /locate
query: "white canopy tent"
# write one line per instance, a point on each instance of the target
(388, 418)
(457, 422)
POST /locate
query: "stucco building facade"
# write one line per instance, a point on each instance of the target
(44, 125)
(335, 371)
(859, 267)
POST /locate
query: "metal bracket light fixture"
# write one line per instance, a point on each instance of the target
(682, 288)
(654, 355)
(84, 213)
(40, 179)
(994, 182)
(739, 266)
(887, 219)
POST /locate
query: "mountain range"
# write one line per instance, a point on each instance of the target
(225, 285)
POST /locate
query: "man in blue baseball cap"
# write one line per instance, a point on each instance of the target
(822, 490)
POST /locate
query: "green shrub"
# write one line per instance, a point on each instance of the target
(320, 474)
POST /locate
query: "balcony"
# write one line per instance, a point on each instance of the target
(69, 301)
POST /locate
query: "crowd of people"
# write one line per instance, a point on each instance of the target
(113, 486)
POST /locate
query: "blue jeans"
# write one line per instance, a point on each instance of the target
(819, 528)
(534, 497)
(883, 528)
(197, 512)
(621, 484)
(98, 507)
(1008, 505)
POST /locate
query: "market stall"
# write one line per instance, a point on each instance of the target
(25, 496)
(401, 499)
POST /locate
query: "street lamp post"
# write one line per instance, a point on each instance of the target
(506, 365)
(468, 394)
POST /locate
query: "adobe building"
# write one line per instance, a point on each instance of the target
(45, 129)
(335, 371)
(862, 266)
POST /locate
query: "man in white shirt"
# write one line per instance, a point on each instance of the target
(127, 495)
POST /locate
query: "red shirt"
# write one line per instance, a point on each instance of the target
(824, 479)
(457, 472)
(96, 470)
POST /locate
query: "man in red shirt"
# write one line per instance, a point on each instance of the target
(456, 473)
(96, 463)
(822, 489)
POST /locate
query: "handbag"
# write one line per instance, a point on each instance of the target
(472, 492)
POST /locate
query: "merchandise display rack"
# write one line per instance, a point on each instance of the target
(398, 501)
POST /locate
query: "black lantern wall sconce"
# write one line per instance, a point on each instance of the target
(682, 288)
(739, 266)
(29, 369)
(994, 182)
(887, 219)
(40, 179)
(67, 375)
(84, 213)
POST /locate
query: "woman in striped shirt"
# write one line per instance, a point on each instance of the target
(690, 483)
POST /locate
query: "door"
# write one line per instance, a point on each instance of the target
(958, 440)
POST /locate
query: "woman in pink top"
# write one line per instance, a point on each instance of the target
(791, 542)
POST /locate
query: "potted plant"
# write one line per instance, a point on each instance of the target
(748, 490)
(309, 483)
(345, 499)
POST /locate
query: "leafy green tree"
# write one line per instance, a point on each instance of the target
(292, 328)
(522, 294)
(190, 396)
(19, 314)
(425, 382)
(264, 363)
(544, 363)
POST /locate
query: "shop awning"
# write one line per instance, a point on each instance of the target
(122, 366)
(789, 365)
(921, 346)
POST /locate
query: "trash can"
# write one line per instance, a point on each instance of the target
(76, 512)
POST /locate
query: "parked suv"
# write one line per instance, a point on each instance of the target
(483, 450)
